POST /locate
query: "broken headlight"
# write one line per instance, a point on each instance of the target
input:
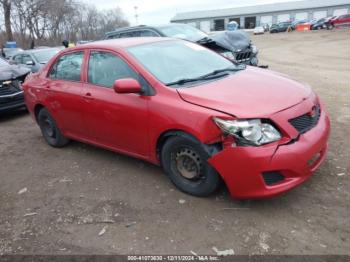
(255, 50)
(250, 132)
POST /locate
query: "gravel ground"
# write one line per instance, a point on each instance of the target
(85, 200)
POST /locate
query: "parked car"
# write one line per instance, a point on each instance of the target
(34, 59)
(11, 79)
(234, 45)
(280, 27)
(321, 23)
(259, 30)
(327, 23)
(177, 104)
(340, 21)
(298, 22)
(7, 53)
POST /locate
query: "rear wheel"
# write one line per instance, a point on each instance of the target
(50, 130)
(184, 160)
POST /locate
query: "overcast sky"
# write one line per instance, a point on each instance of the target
(161, 11)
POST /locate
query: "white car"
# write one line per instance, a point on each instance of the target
(259, 30)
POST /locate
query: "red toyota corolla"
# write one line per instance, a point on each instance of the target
(186, 108)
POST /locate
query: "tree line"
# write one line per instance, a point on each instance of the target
(48, 22)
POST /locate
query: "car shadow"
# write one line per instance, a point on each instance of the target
(156, 173)
(12, 115)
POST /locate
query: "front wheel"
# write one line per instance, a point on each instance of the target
(184, 160)
(50, 130)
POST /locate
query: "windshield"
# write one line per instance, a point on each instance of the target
(3, 62)
(43, 56)
(170, 61)
(183, 31)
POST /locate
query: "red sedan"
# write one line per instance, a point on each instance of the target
(179, 105)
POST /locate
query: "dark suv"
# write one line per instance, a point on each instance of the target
(234, 45)
(280, 27)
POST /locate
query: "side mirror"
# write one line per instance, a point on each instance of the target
(30, 63)
(127, 86)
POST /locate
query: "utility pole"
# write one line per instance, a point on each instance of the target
(136, 15)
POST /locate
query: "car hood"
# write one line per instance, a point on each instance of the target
(9, 72)
(249, 93)
(232, 40)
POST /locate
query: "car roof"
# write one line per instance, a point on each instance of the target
(120, 30)
(33, 51)
(123, 42)
(130, 28)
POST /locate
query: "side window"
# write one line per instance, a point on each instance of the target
(105, 68)
(68, 67)
(148, 33)
(26, 58)
(113, 36)
(18, 59)
(130, 34)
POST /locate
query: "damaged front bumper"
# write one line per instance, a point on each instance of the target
(266, 171)
(11, 96)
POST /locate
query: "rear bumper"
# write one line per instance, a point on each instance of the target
(11, 102)
(242, 167)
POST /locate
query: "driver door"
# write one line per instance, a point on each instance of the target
(116, 121)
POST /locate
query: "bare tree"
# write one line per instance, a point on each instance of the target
(6, 5)
(51, 21)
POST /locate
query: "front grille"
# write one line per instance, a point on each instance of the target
(307, 121)
(241, 57)
(11, 101)
(272, 178)
(9, 88)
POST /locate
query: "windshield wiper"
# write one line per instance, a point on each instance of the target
(218, 71)
(211, 75)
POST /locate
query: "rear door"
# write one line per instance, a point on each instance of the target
(117, 121)
(65, 93)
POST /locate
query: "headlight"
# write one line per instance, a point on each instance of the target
(255, 50)
(251, 132)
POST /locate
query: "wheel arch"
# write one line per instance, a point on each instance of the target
(37, 109)
(164, 136)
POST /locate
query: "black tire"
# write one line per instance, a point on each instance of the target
(50, 130)
(196, 176)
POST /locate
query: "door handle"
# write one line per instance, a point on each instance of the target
(88, 96)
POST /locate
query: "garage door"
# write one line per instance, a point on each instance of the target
(320, 14)
(301, 16)
(338, 12)
(204, 26)
(266, 20)
(283, 18)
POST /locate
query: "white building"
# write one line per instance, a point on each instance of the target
(251, 16)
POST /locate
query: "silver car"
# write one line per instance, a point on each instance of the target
(34, 59)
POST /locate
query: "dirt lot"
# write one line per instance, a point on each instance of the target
(76, 192)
